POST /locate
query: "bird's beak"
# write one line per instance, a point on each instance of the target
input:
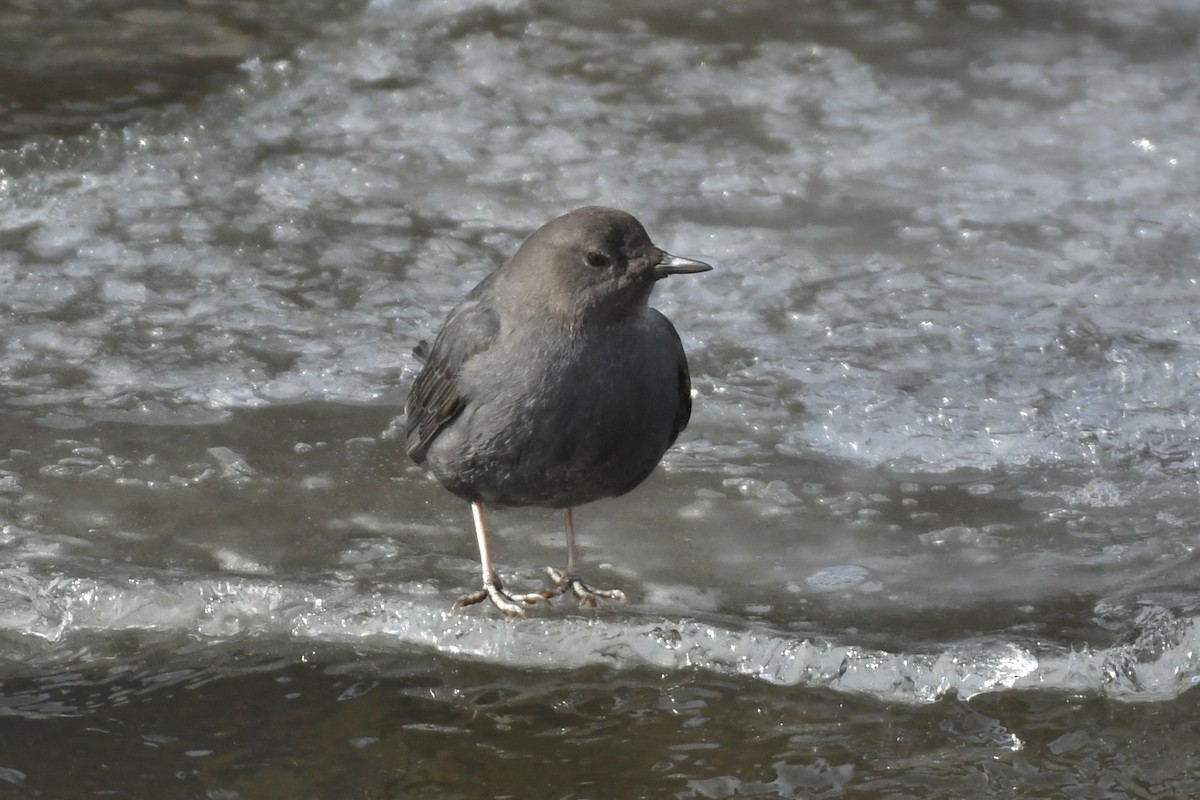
(678, 265)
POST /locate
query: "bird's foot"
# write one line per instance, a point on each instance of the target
(509, 604)
(586, 594)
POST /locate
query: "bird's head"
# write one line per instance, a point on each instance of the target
(593, 262)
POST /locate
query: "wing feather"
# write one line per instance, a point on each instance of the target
(436, 397)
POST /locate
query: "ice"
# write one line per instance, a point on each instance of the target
(232, 465)
(837, 577)
(941, 263)
(220, 610)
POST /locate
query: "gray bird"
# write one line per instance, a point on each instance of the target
(553, 383)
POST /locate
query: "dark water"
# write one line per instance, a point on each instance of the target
(932, 532)
(297, 723)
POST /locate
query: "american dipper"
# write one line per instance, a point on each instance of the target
(553, 383)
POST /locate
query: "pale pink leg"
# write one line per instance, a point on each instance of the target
(492, 588)
(569, 579)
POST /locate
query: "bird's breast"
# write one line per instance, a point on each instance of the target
(564, 419)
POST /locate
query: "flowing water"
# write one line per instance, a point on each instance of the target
(932, 532)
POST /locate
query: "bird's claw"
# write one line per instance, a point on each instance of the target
(586, 594)
(509, 604)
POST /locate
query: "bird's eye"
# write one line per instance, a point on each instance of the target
(596, 259)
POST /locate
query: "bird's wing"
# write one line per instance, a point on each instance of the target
(435, 399)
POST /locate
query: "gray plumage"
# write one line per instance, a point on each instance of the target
(553, 383)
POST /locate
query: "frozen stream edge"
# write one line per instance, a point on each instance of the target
(1159, 665)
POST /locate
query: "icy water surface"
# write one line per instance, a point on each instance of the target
(931, 533)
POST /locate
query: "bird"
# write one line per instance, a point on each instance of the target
(553, 383)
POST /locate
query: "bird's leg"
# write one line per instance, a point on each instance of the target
(492, 588)
(569, 579)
